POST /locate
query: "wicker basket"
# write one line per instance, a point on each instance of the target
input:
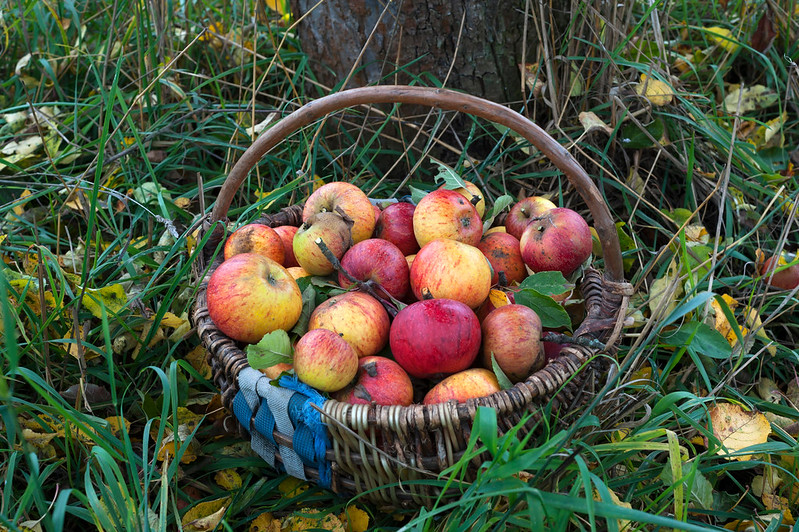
(382, 449)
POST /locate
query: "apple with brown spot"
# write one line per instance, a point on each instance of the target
(255, 238)
(524, 211)
(504, 252)
(336, 233)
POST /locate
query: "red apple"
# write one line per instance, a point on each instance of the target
(334, 231)
(250, 295)
(435, 337)
(504, 253)
(465, 385)
(469, 193)
(324, 360)
(379, 381)
(358, 317)
(786, 279)
(560, 240)
(452, 270)
(380, 261)
(446, 214)
(396, 225)
(255, 238)
(286, 234)
(339, 195)
(512, 333)
(524, 211)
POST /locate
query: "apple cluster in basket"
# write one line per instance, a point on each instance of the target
(426, 299)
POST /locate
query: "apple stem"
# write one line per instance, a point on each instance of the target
(557, 338)
(366, 286)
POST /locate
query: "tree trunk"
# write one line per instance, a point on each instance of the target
(472, 45)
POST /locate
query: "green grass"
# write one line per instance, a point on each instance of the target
(98, 239)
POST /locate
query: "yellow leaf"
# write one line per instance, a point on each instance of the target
(115, 424)
(111, 296)
(277, 5)
(312, 519)
(697, 233)
(174, 321)
(721, 323)
(228, 479)
(737, 429)
(198, 359)
(623, 523)
(265, 522)
(37, 439)
(205, 516)
(533, 79)
(355, 519)
(292, 487)
(182, 203)
(19, 209)
(72, 347)
(769, 135)
(657, 92)
(498, 298)
(723, 37)
(775, 502)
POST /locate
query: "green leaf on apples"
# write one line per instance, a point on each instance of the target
(417, 194)
(274, 348)
(499, 205)
(308, 304)
(552, 313)
(548, 283)
(450, 177)
(502, 379)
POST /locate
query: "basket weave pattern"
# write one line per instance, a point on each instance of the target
(382, 449)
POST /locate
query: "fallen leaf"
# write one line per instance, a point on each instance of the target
(769, 135)
(723, 37)
(355, 519)
(591, 122)
(743, 100)
(198, 359)
(115, 424)
(111, 296)
(753, 322)
(182, 203)
(265, 522)
(658, 92)
(622, 523)
(533, 79)
(498, 298)
(738, 429)
(205, 516)
(228, 479)
(313, 519)
(292, 487)
(765, 32)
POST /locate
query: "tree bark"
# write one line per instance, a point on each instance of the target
(472, 45)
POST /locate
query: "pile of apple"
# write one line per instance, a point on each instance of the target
(417, 303)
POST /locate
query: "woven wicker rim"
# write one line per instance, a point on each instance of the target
(606, 294)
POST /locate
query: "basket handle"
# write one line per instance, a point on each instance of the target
(440, 99)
